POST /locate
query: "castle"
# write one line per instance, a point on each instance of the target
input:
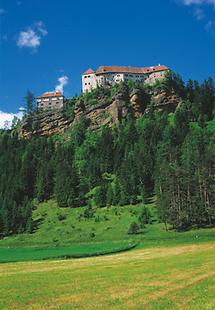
(49, 101)
(104, 75)
(110, 75)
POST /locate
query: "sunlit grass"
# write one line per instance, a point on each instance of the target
(177, 277)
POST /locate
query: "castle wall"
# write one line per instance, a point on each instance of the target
(92, 80)
(50, 103)
(89, 82)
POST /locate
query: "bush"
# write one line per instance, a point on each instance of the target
(97, 219)
(88, 212)
(133, 229)
(92, 235)
(61, 217)
(145, 217)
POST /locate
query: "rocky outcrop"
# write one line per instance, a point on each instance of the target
(138, 102)
(167, 100)
(104, 111)
(44, 124)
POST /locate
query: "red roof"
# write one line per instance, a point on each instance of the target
(47, 95)
(89, 71)
(134, 70)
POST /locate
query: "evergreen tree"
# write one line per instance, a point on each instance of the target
(29, 99)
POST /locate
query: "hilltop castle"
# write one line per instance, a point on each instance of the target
(50, 101)
(104, 75)
(110, 75)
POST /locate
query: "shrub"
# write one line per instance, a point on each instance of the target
(88, 212)
(97, 219)
(133, 229)
(106, 218)
(145, 217)
(61, 217)
(92, 235)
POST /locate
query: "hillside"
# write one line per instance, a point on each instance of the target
(69, 233)
(127, 171)
(153, 146)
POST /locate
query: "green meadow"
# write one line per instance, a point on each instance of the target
(152, 269)
(67, 233)
(176, 277)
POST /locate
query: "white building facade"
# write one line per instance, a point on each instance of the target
(110, 75)
(50, 101)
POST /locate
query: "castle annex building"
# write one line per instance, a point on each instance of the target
(109, 75)
(50, 101)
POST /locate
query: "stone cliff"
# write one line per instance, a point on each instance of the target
(103, 112)
(44, 124)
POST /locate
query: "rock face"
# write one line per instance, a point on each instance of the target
(138, 102)
(167, 100)
(44, 124)
(103, 112)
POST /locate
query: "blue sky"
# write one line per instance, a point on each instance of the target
(44, 40)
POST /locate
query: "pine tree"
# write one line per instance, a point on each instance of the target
(29, 98)
(44, 182)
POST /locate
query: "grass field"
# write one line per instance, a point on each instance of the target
(165, 270)
(66, 252)
(177, 277)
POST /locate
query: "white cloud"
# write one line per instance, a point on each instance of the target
(41, 28)
(31, 38)
(199, 13)
(198, 2)
(28, 39)
(7, 118)
(63, 81)
(210, 27)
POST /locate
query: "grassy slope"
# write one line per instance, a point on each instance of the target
(177, 277)
(106, 232)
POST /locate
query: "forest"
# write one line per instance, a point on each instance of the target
(169, 156)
